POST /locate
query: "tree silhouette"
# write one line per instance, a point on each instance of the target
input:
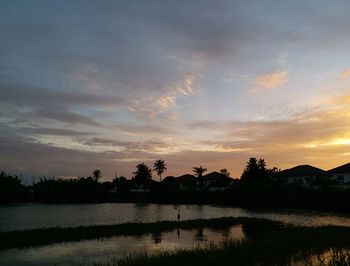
(225, 172)
(262, 165)
(143, 173)
(159, 167)
(251, 171)
(199, 173)
(256, 171)
(97, 174)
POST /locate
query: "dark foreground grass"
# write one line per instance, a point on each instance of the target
(304, 245)
(37, 237)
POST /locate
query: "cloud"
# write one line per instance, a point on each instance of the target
(271, 80)
(128, 146)
(342, 100)
(26, 95)
(143, 129)
(344, 74)
(158, 105)
(67, 117)
(318, 136)
(69, 75)
(53, 131)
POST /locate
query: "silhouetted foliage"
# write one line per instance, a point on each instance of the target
(11, 189)
(69, 190)
(255, 170)
(199, 173)
(225, 172)
(159, 167)
(143, 174)
(97, 174)
(121, 184)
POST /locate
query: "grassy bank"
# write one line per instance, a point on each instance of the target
(306, 246)
(37, 237)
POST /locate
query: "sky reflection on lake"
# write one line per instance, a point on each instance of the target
(73, 253)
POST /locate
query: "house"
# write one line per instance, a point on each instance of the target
(217, 182)
(341, 173)
(169, 180)
(213, 182)
(303, 174)
(186, 181)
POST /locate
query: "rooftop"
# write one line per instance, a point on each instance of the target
(340, 169)
(303, 170)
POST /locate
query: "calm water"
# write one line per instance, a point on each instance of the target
(74, 253)
(63, 215)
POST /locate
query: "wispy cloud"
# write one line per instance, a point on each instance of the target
(143, 129)
(156, 104)
(67, 117)
(270, 80)
(154, 146)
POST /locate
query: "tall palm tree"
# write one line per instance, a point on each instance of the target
(159, 167)
(199, 173)
(97, 174)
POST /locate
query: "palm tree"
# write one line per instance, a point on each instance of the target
(97, 174)
(159, 167)
(199, 173)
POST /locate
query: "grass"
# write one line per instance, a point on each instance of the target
(328, 245)
(38, 237)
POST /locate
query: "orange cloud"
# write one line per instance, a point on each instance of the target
(344, 74)
(270, 80)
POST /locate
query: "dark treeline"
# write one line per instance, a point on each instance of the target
(258, 187)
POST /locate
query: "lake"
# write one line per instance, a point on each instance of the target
(74, 253)
(71, 215)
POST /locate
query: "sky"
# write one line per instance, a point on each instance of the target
(110, 84)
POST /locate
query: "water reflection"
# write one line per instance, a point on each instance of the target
(199, 235)
(73, 253)
(72, 215)
(157, 237)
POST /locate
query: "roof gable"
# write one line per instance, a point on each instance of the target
(216, 176)
(186, 178)
(343, 169)
(303, 170)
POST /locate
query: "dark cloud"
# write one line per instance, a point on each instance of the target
(52, 131)
(67, 117)
(25, 95)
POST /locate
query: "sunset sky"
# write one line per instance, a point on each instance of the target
(110, 84)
